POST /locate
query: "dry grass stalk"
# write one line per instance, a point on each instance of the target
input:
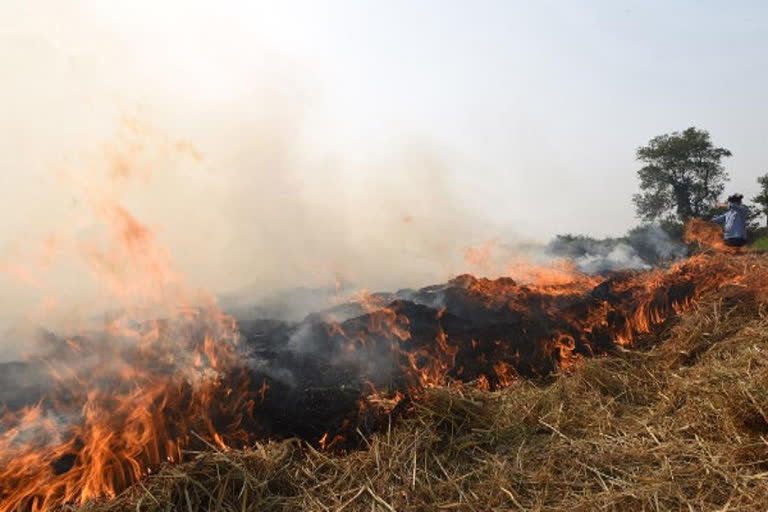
(680, 426)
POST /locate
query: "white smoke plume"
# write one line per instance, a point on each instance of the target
(640, 249)
(217, 151)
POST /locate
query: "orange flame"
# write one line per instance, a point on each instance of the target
(129, 397)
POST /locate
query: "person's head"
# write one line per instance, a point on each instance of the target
(735, 198)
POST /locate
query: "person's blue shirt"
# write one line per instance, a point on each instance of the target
(734, 221)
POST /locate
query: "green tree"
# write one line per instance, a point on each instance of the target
(762, 198)
(682, 177)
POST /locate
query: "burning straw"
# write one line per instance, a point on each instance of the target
(681, 425)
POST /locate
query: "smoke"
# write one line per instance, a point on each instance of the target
(641, 249)
(215, 150)
(569, 258)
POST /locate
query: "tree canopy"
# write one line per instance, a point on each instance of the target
(682, 178)
(762, 198)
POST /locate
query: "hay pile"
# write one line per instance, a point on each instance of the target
(682, 425)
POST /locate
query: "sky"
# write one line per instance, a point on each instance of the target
(277, 142)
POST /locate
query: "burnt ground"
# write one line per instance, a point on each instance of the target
(319, 370)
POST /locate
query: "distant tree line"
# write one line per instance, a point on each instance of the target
(682, 178)
(761, 199)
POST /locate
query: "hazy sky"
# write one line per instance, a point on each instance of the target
(361, 136)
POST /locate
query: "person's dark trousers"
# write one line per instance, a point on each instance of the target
(735, 242)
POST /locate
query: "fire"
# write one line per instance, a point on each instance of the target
(505, 373)
(169, 372)
(129, 396)
(119, 407)
(707, 236)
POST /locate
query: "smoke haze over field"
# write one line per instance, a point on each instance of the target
(232, 182)
(269, 146)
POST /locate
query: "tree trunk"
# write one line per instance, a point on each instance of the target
(683, 200)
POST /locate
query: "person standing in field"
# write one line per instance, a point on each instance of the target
(734, 222)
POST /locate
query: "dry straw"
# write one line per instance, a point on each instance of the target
(681, 424)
